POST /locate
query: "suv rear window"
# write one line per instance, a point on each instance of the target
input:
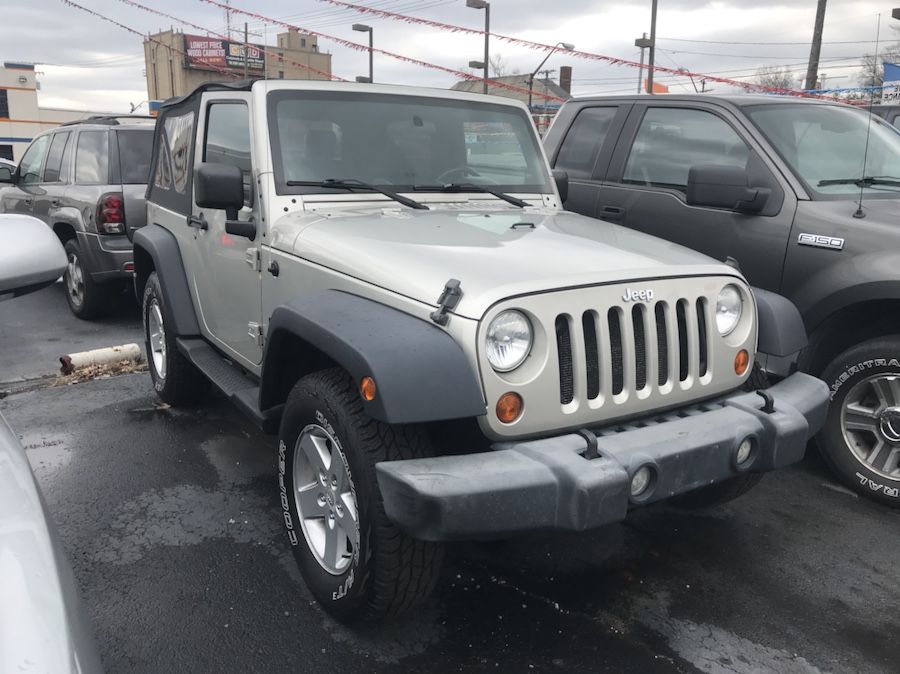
(135, 148)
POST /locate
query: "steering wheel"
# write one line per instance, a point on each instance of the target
(463, 171)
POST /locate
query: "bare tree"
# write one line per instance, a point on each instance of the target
(776, 78)
(872, 73)
(500, 66)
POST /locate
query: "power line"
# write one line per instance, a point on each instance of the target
(767, 44)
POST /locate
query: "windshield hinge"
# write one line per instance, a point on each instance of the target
(257, 332)
(253, 259)
(447, 302)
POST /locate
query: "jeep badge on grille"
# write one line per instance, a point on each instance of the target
(637, 295)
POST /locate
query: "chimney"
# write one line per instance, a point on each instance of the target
(565, 78)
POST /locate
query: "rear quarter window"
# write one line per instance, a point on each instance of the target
(135, 149)
(92, 158)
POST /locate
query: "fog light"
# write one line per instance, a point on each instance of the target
(509, 407)
(744, 450)
(640, 481)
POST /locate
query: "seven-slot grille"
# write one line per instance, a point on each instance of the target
(632, 348)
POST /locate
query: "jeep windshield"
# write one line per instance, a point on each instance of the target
(825, 145)
(402, 143)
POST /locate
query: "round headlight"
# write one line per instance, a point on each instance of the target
(508, 341)
(728, 309)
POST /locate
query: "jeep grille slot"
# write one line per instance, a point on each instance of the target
(701, 332)
(615, 348)
(662, 343)
(591, 354)
(564, 350)
(640, 346)
(680, 311)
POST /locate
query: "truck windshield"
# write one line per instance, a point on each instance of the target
(398, 142)
(825, 146)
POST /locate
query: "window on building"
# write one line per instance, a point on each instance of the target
(92, 158)
(671, 140)
(54, 157)
(4, 103)
(303, 43)
(228, 138)
(6, 152)
(281, 74)
(30, 166)
(582, 143)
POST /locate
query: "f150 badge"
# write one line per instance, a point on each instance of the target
(637, 295)
(821, 241)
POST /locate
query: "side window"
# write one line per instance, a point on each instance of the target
(92, 158)
(228, 139)
(583, 142)
(30, 166)
(671, 140)
(54, 157)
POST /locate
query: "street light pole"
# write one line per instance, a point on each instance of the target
(568, 46)
(363, 28)
(486, 6)
(643, 43)
(652, 59)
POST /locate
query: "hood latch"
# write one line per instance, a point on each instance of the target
(447, 302)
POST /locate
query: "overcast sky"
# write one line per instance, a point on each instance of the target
(86, 63)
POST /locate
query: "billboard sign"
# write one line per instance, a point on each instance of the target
(206, 53)
(890, 92)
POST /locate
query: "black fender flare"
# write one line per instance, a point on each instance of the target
(421, 374)
(162, 247)
(781, 329)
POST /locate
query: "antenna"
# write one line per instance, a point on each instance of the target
(862, 181)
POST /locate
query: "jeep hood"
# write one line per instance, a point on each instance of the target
(495, 254)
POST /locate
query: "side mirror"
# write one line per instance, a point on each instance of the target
(6, 174)
(724, 186)
(31, 257)
(562, 184)
(219, 186)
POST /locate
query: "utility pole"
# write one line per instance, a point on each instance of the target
(486, 6)
(643, 43)
(812, 70)
(651, 61)
(246, 52)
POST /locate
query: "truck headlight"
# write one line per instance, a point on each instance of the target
(508, 341)
(729, 306)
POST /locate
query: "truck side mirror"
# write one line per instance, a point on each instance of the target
(6, 174)
(219, 186)
(562, 184)
(724, 186)
(31, 256)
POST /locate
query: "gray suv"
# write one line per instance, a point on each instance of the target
(385, 277)
(87, 181)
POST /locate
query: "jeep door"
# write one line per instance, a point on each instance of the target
(225, 266)
(19, 197)
(645, 186)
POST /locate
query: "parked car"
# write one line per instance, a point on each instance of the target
(780, 186)
(87, 181)
(386, 277)
(7, 163)
(890, 112)
(42, 625)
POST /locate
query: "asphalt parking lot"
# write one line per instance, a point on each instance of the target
(173, 526)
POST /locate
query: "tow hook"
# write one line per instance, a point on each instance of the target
(769, 404)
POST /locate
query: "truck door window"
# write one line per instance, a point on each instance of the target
(671, 140)
(30, 166)
(228, 139)
(92, 158)
(54, 157)
(583, 142)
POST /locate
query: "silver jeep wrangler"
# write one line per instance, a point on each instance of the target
(384, 276)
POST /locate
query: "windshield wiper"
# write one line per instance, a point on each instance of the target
(867, 181)
(471, 187)
(354, 184)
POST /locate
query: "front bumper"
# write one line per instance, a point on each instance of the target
(107, 257)
(549, 484)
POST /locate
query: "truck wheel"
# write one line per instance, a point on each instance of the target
(176, 380)
(861, 437)
(357, 564)
(86, 298)
(718, 494)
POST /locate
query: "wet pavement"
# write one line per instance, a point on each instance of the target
(172, 523)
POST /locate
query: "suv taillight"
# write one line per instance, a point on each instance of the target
(111, 214)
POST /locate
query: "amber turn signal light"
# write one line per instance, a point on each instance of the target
(509, 407)
(367, 389)
(741, 362)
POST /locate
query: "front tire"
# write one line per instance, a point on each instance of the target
(176, 380)
(861, 437)
(356, 563)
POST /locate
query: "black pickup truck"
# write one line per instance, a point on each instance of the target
(805, 196)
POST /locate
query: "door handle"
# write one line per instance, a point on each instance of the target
(612, 213)
(28, 202)
(197, 221)
(54, 202)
